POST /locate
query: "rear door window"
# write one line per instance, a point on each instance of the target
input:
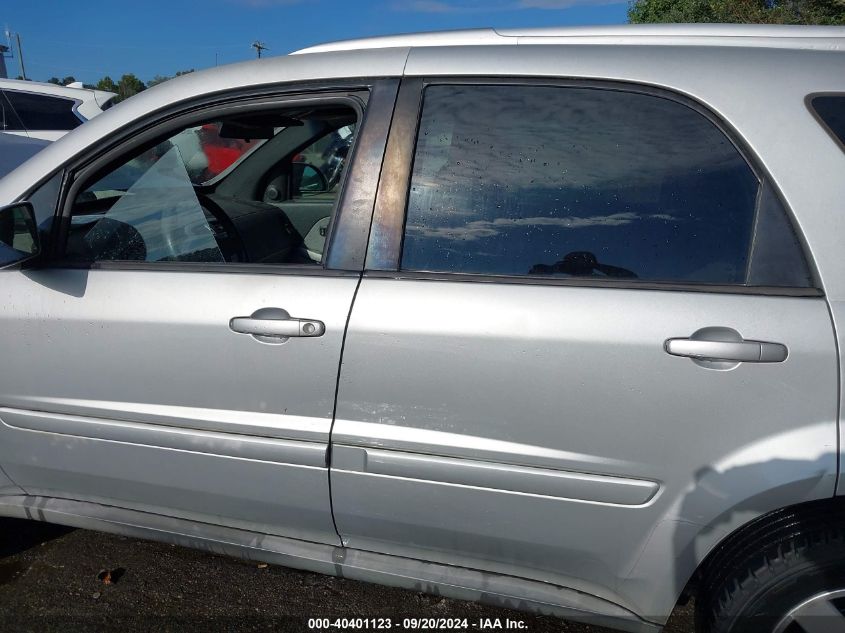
(562, 181)
(43, 112)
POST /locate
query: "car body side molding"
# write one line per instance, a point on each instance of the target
(501, 477)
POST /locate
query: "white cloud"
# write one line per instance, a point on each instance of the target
(488, 228)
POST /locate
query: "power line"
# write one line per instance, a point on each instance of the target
(144, 47)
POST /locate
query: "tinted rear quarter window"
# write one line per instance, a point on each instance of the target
(831, 110)
(43, 112)
(9, 120)
(572, 181)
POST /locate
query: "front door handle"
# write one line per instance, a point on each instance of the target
(274, 325)
(731, 351)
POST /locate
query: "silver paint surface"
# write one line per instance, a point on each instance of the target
(576, 380)
(531, 445)
(135, 392)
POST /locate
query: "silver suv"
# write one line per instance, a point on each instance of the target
(547, 319)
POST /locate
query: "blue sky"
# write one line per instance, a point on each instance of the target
(92, 38)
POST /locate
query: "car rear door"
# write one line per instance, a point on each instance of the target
(586, 323)
(155, 383)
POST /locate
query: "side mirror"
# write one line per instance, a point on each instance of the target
(19, 239)
(308, 179)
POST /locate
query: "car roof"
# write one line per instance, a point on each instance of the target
(68, 92)
(742, 35)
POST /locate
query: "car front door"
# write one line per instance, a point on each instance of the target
(595, 335)
(178, 353)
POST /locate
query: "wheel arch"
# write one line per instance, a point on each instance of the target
(777, 476)
(764, 531)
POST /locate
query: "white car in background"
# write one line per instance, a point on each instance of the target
(34, 114)
(48, 111)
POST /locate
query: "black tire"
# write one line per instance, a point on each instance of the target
(777, 563)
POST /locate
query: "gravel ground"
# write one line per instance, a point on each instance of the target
(49, 582)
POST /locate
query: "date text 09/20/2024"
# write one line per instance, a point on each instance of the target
(480, 624)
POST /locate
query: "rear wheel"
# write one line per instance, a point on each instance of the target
(822, 612)
(785, 575)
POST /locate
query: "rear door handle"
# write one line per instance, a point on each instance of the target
(274, 325)
(732, 351)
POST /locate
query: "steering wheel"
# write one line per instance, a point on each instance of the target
(225, 233)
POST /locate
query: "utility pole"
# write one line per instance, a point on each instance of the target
(20, 55)
(259, 46)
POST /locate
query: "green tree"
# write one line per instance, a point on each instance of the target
(106, 83)
(158, 79)
(738, 11)
(61, 82)
(128, 86)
